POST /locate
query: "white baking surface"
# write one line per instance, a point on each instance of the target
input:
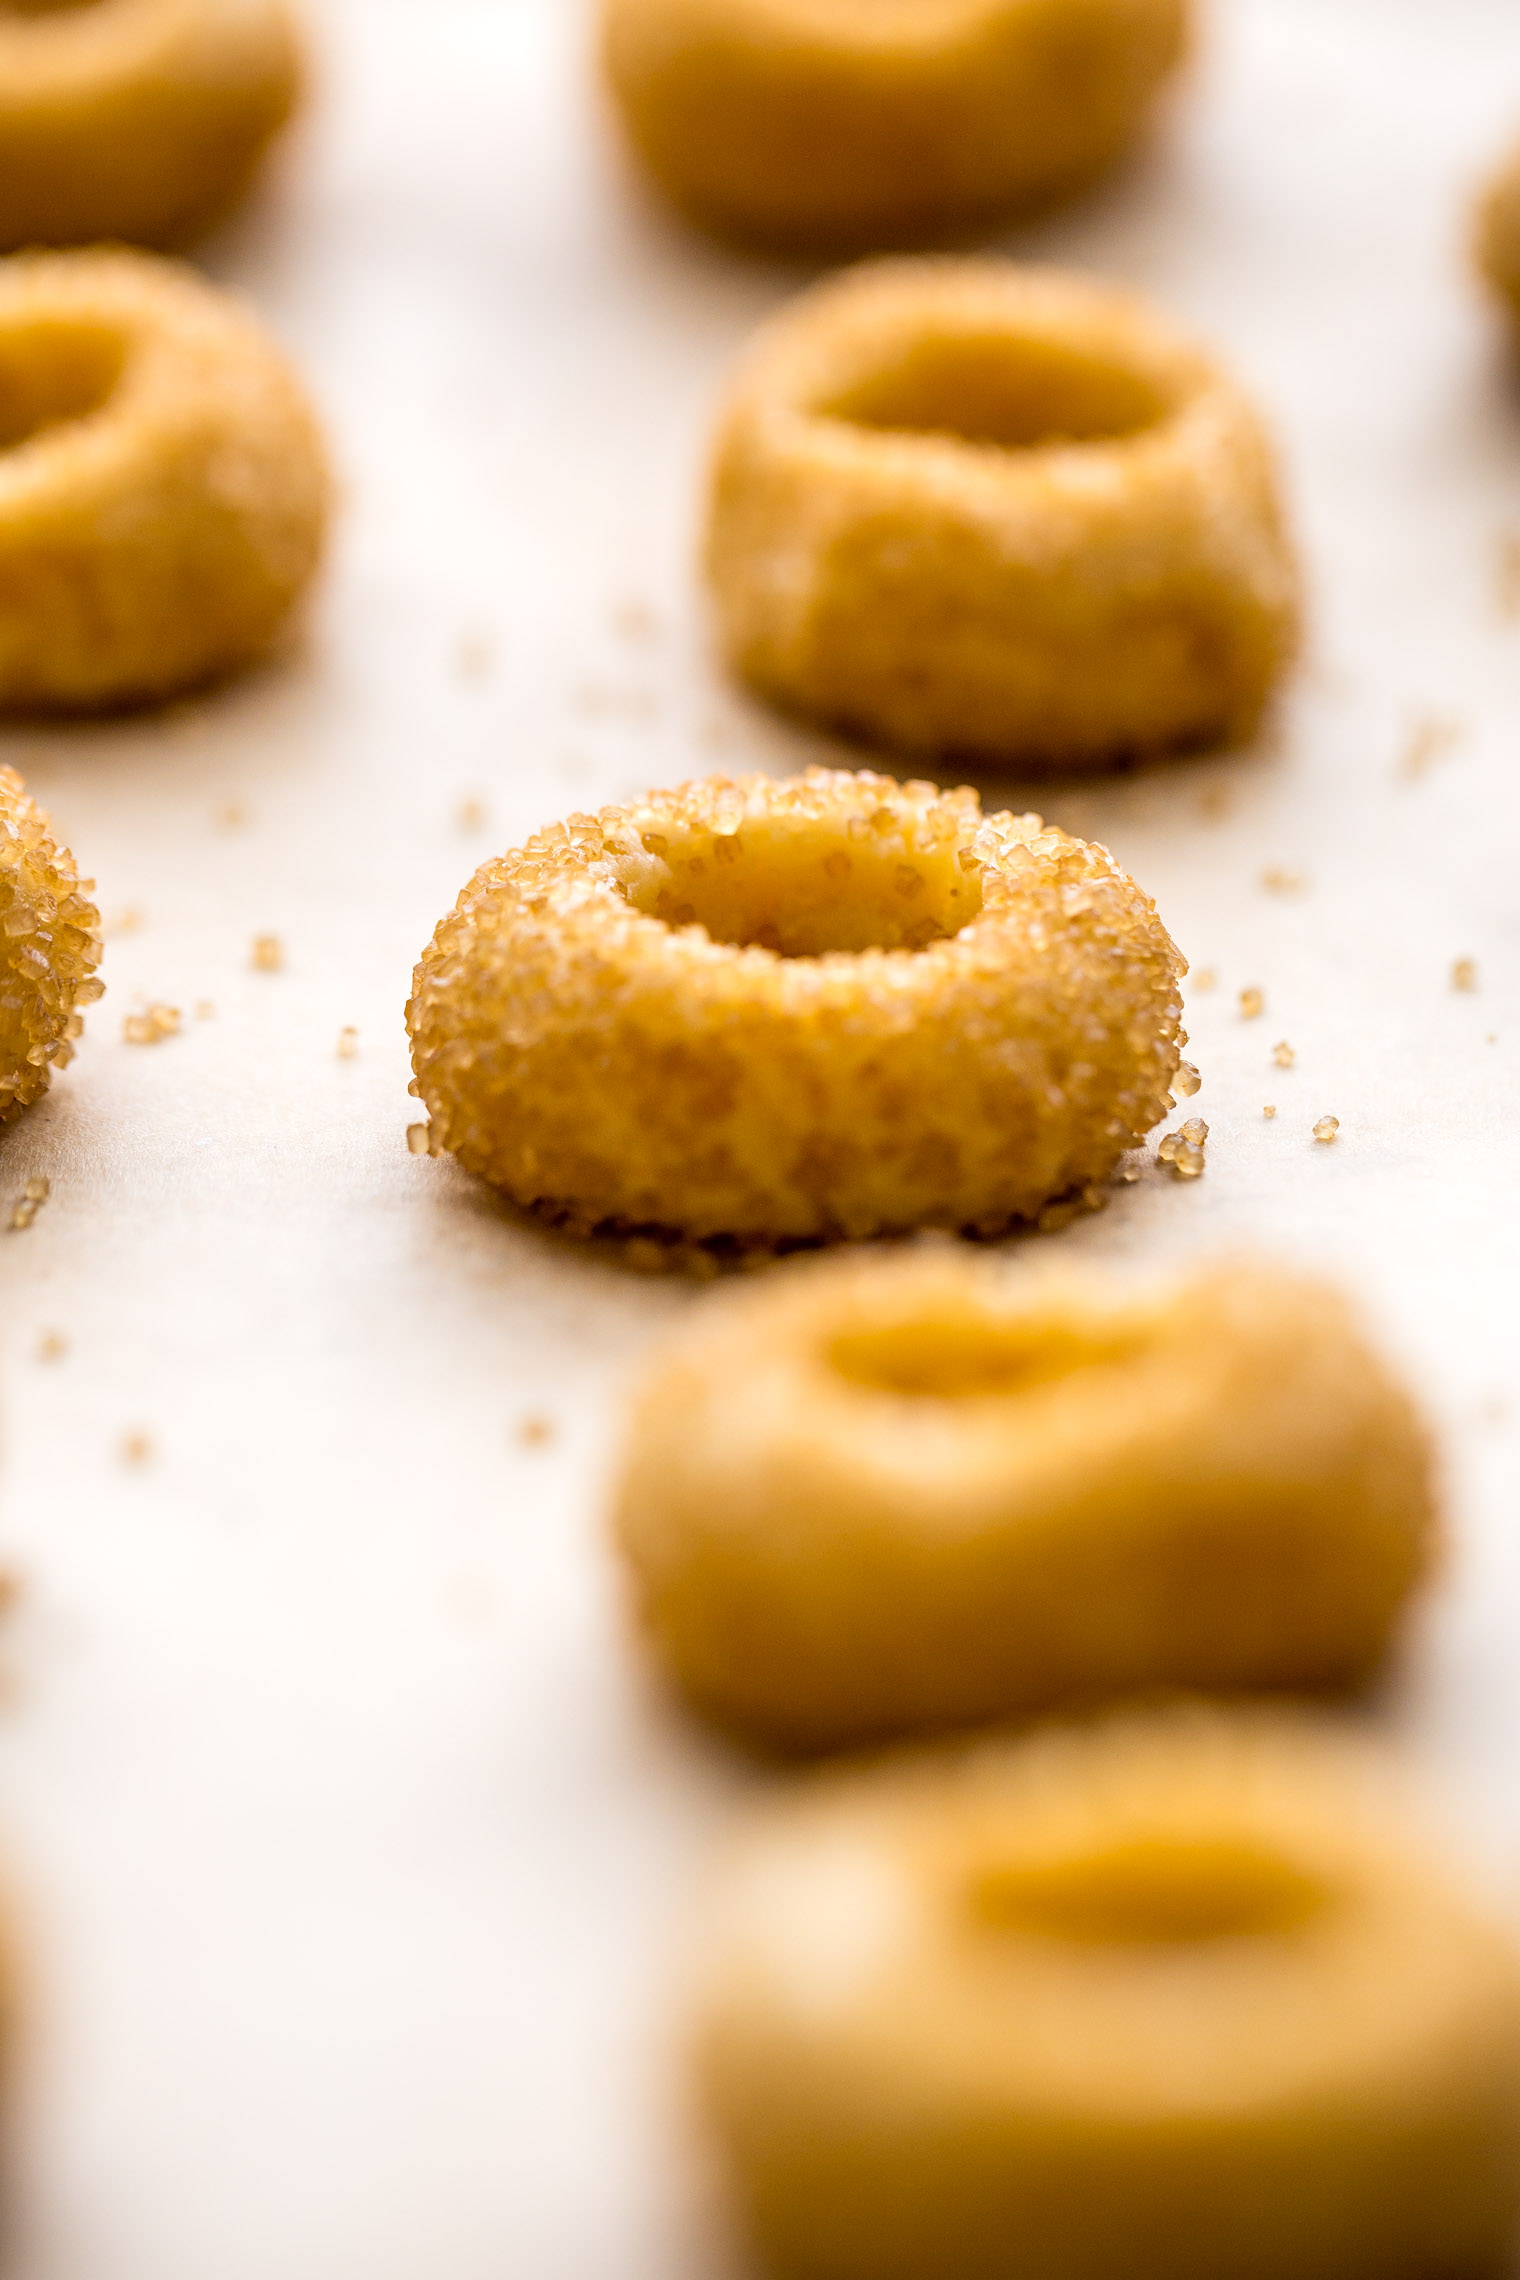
(349, 1833)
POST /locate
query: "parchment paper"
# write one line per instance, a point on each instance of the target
(350, 1838)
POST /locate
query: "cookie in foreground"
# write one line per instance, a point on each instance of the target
(1187, 1996)
(793, 1012)
(879, 1494)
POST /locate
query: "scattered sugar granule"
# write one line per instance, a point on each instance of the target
(471, 814)
(536, 1431)
(419, 1139)
(27, 1205)
(136, 1448)
(1464, 974)
(1207, 978)
(1269, 1113)
(1215, 802)
(1276, 880)
(231, 816)
(474, 656)
(634, 618)
(1187, 1080)
(599, 697)
(51, 1346)
(348, 1044)
(204, 1010)
(1283, 1055)
(1429, 740)
(1182, 1151)
(129, 921)
(152, 1026)
(1253, 1004)
(1326, 1129)
(268, 954)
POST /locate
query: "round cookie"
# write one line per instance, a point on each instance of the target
(997, 515)
(49, 950)
(863, 124)
(136, 120)
(163, 486)
(797, 1011)
(876, 1495)
(1186, 1997)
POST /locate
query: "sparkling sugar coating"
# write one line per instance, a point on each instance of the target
(49, 950)
(831, 1007)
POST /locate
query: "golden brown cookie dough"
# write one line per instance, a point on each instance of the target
(1499, 234)
(49, 950)
(998, 515)
(163, 486)
(795, 1011)
(135, 119)
(876, 1495)
(1188, 1997)
(873, 123)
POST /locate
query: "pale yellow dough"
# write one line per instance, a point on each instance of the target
(885, 1493)
(163, 483)
(999, 516)
(863, 124)
(137, 120)
(778, 1012)
(1184, 1997)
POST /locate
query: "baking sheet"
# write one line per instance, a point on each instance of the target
(350, 1840)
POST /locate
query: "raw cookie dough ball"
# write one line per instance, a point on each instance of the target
(135, 119)
(882, 1494)
(163, 486)
(796, 1011)
(49, 950)
(1181, 1998)
(998, 515)
(873, 123)
(1499, 235)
